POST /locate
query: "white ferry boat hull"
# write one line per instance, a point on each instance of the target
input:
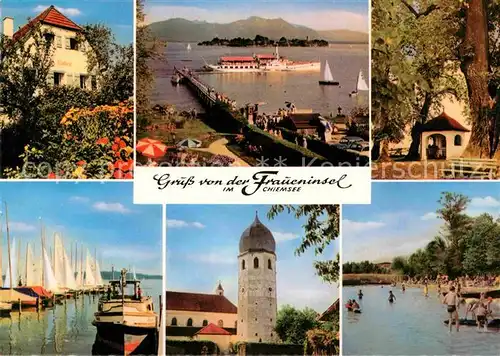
(221, 69)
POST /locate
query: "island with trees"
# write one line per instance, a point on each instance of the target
(262, 41)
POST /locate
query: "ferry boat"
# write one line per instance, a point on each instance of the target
(261, 63)
(126, 324)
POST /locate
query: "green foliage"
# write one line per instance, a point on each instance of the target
(263, 41)
(321, 229)
(264, 348)
(466, 245)
(193, 347)
(147, 48)
(363, 267)
(292, 324)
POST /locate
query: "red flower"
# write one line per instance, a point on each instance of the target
(117, 140)
(115, 147)
(118, 174)
(81, 163)
(129, 175)
(102, 141)
(123, 144)
(51, 175)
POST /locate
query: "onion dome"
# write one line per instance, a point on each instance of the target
(257, 237)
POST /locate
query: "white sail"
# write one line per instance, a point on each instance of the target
(49, 280)
(327, 73)
(89, 275)
(30, 267)
(188, 47)
(98, 276)
(59, 261)
(69, 277)
(13, 264)
(133, 274)
(361, 85)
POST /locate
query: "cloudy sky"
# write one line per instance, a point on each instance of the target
(116, 14)
(402, 217)
(202, 248)
(99, 216)
(316, 14)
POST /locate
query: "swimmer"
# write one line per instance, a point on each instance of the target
(426, 290)
(392, 297)
(360, 294)
(403, 287)
(451, 300)
(355, 305)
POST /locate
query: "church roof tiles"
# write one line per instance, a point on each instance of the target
(199, 302)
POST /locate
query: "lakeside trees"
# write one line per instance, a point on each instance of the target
(423, 51)
(465, 245)
(262, 41)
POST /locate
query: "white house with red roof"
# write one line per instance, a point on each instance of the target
(70, 55)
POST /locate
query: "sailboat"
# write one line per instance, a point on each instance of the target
(327, 78)
(188, 48)
(134, 277)
(360, 85)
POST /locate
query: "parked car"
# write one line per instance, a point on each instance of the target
(362, 147)
(347, 141)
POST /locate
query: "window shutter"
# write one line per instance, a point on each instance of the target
(68, 44)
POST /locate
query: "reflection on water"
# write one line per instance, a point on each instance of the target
(413, 325)
(273, 88)
(66, 329)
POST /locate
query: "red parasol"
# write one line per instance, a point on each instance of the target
(151, 148)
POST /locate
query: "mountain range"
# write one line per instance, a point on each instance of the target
(182, 30)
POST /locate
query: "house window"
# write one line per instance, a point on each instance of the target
(205, 322)
(59, 42)
(220, 323)
(58, 79)
(73, 44)
(190, 322)
(173, 322)
(83, 81)
(243, 264)
(49, 37)
(269, 264)
(458, 140)
(255, 262)
(236, 324)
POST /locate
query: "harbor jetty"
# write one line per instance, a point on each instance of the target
(277, 145)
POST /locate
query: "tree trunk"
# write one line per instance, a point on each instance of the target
(474, 65)
(416, 131)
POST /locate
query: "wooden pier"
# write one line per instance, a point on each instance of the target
(203, 92)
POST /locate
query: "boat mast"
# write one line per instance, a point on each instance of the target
(1, 242)
(18, 269)
(26, 272)
(42, 250)
(8, 244)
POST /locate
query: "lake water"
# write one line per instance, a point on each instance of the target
(66, 329)
(272, 88)
(413, 325)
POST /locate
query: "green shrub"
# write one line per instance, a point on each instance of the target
(262, 348)
(193, 347)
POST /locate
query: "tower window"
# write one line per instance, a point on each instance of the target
(271, 334)
(458, 140)
(243, 264)
(256, 334)
(269, 264)
(205, 322)
(190, 322)
(270, 289)
(220, 323)
(173, 322)
(242, 290)
(255, 262)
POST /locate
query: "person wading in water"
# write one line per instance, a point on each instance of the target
(392, 297)
(451, 300)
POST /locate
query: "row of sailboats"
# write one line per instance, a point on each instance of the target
(42, 278)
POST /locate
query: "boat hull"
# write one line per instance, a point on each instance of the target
(328, 82)
(121, 339)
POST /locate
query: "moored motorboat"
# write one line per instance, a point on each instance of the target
(175, 79)
(126, 323)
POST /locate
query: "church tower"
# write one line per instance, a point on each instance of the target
(257, 306)
(219, 290)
